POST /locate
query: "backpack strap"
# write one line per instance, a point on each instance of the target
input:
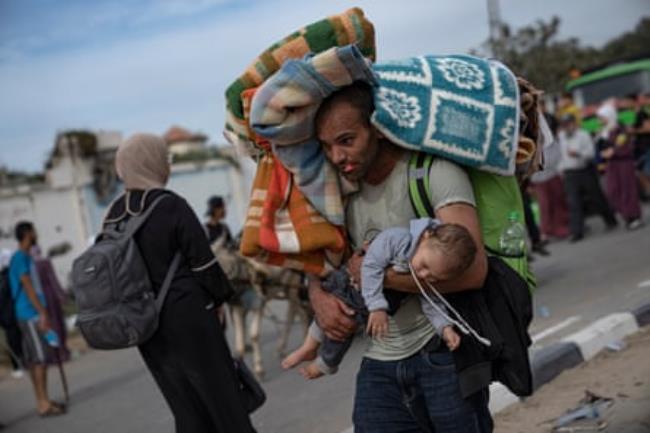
(167, 282)
(135, 222)
(419, 186)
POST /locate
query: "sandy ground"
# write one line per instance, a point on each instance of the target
(623, 376)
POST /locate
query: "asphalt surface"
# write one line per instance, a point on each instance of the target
(112, 391)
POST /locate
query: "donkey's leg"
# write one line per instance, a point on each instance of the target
(292, 310)
(238, 314)
(254, 333)
(304, 311)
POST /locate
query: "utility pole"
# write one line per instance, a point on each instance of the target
(495, 26)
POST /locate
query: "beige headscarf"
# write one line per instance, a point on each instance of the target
(142, 162)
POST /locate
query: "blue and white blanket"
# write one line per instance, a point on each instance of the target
(460, 107)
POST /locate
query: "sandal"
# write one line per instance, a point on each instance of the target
(55, 409)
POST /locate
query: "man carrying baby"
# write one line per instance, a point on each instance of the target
(411, 363)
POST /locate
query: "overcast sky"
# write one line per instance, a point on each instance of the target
(145, 65)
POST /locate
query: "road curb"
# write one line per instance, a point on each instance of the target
(573, 350)
(592, 339)
(642, 315)
(552, 360)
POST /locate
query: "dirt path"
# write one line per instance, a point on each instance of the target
(623, 376)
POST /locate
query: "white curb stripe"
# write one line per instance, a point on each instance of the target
(645, 283)
(596, 336)
(555, 328)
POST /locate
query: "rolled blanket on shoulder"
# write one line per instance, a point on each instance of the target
(349, 27)
(461, 107)
(282, 228)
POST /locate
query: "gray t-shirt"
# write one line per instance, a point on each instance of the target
(377, 207)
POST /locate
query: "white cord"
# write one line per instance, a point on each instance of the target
(461, 323)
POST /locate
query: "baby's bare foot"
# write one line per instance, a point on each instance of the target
(311, 371)
(301, 355)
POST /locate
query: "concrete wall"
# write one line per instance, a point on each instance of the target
(58, 218)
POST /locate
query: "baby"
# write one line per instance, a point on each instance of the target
(437, 252)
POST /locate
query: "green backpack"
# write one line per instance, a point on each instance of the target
(496, 197)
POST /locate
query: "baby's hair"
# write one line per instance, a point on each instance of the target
(457, 245)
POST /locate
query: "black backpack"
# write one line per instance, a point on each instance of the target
(7, 312)
(502, 311)
(117, 306)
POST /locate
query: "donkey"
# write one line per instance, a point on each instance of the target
(255, 284)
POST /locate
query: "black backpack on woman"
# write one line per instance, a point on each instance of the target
(117, 306)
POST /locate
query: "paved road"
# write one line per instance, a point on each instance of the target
(579, 283)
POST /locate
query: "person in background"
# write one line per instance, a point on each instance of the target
(538, 245)
(188, 355)
(618, 152)
(566, 105)
(549, 191)
(216, 229)
(54, 296)
(33, 319)
(641, 131)
(581, 181)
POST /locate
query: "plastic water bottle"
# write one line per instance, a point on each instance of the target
(52, 338)
(512, 241)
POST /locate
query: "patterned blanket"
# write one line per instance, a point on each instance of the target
(350, 27)
(460, 107)
(283, 229)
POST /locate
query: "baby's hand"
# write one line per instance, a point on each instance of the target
(451, 338)
(377, 324)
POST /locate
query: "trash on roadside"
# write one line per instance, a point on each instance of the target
(544, 312)
(592, 408)
(616, 346)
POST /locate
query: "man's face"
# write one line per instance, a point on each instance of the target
(570, 127)
(348, 140)
(565, 101)
(219, 213)
(32, 238)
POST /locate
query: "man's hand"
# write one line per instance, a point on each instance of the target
(607, 153)
(332, 315)
(354, 264)
(43, 322)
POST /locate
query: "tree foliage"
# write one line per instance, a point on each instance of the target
(536, 52)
